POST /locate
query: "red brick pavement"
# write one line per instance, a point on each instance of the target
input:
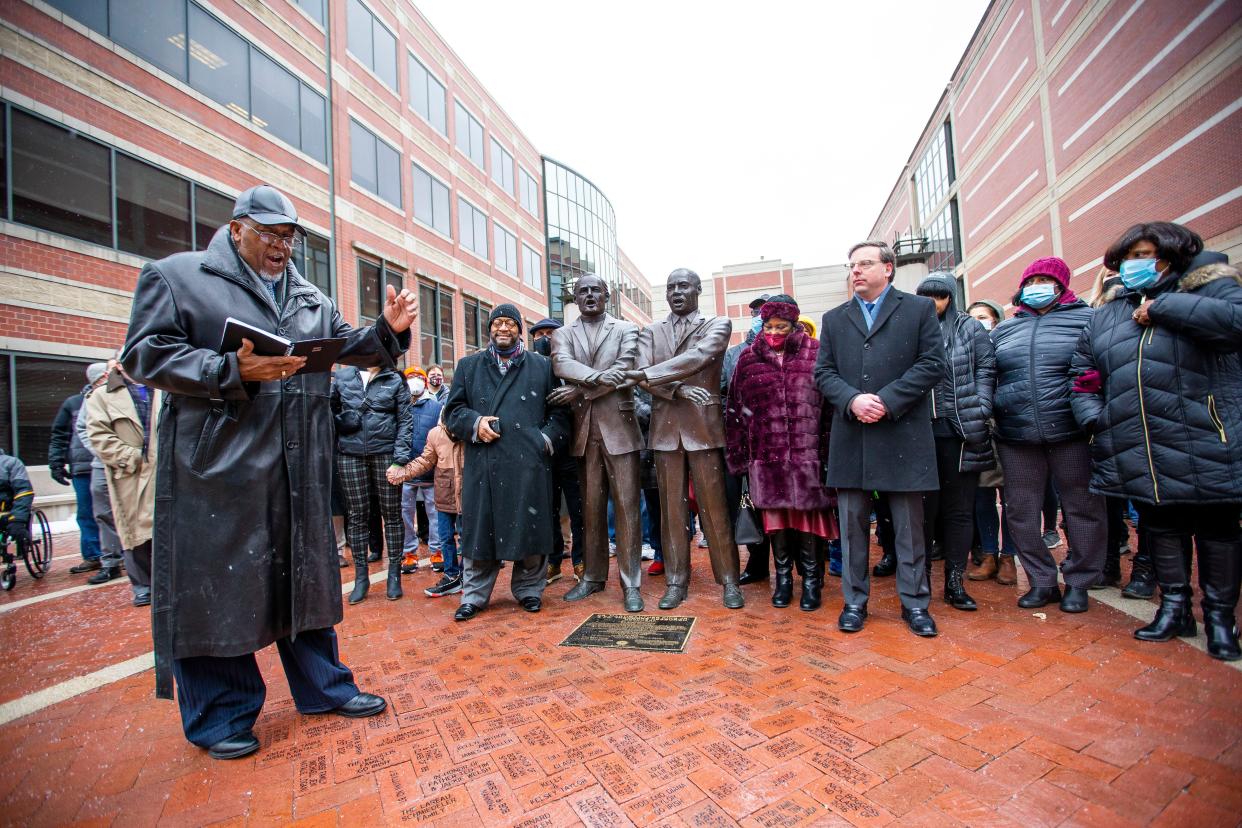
(770, 718)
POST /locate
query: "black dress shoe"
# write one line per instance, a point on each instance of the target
(465, 612)
(104, 575)
(1074, 600)
(361, 706)
(532, 604)
(143, 600)
(852, 618)
(748, 577)
(234, 747)
(886, 566)
(1039, 597)
(85, 566)
(919, 621)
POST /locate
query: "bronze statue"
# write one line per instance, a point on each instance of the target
(593, 355)
(683, 355)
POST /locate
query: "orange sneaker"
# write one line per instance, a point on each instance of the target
(409, 563)
(437, 562)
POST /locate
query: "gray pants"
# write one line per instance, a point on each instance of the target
(854, 507)
(109, 542)
(479, 579)
(1027, 469)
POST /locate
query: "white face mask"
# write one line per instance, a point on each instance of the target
(986, 323)
(417, 387)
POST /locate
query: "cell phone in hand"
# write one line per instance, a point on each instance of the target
(494, 425)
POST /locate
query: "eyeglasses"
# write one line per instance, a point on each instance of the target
(272, 239)
(864, 264)
(501, 322)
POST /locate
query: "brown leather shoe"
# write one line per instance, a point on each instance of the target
(1007, 572)
(985, 570)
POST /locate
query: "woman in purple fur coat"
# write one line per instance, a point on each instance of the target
(776, 428)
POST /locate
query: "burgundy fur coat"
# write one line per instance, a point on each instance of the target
(776, 426)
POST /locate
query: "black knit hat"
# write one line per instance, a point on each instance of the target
(508, 312)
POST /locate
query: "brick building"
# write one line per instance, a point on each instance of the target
(121, 145)
(1065, 122)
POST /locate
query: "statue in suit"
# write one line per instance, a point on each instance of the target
(682, 357)
(592, 355)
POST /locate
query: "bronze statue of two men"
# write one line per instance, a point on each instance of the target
(678, 360)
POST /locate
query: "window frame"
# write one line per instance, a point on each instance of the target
(399, 205)
(522, 171)
(497, 228)
(505, 167)
(395, 86)
(417, 168)
(471, 119)
(410, 56)
(537, 282)
(486, 255)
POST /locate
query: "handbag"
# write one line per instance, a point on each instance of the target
(748, 529)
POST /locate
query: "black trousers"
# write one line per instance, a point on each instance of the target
(565, 482)
(219, 697)
(1213, 521)
(953, 504)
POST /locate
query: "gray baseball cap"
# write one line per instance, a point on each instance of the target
(95, 371)
(266, 205)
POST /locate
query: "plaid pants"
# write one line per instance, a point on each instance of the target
(360, 476)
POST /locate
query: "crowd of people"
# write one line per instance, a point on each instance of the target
(901, 411)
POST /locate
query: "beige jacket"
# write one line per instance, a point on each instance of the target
(447, 458)
(115, 433)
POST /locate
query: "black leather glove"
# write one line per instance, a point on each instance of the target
(18, 532)
(59, 474)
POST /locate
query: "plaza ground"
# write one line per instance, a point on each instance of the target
(769, 718)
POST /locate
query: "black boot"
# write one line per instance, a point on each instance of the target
(1174, 618)
(886, 566)
(1142, 575)
(782, 591)
(1111, 576)
(1220, 569)
(955, 588)
(362, 580)
(756, 564)
(811, 568)
(394, 578)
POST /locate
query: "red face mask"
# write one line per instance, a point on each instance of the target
(777, 341)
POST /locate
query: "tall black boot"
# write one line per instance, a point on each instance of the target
(1174, 618)
(1111, 576)
(782, 590)
(1142, 575)
(362, 580)
(756, 564)
(811, 567)
(955, 594)
(1220, 570)
(393, 591)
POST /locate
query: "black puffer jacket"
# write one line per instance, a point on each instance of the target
(964, 396)
(1032, 402)
(385, 421)
(1167, 422)
(66, 448)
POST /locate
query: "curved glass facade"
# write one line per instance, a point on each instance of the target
(582, 236)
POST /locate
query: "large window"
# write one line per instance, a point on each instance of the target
(314, 8)
(529, 192)
(373, 164)
(152, 210)
(34, 387)
(310, 257)
(372, 43)
(468, 134)
(427, 96)
(474, 317)
(581, 236)
(435, 325)
(219, 63)
(502, 167)
(63, 182)
(944, 239)
(934, 173)
(532, 268)
(373, 280)
(431, 201)
(472, 227)
(506, 250)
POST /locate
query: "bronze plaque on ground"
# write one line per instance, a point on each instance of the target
(655, 633)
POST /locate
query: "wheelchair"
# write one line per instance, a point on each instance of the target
(36, 553)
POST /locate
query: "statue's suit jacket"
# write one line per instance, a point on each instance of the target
(576, 362)
(696, 359)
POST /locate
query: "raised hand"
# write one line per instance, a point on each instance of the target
(401, 309)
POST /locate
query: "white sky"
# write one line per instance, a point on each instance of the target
(720, 131)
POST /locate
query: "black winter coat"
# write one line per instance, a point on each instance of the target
(66, 448)
(384, 423)
(506, 494)
(1032, 402)
(900, 359)
(964, 395)
(244, 552)
(1167, 423)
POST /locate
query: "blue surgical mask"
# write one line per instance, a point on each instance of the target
(1038, 296)
(1137, 274)
(756, 324)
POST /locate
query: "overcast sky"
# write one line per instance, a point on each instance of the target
(720, 131)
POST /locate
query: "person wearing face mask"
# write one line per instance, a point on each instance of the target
(776, 438)
(425, 409)
(961, 409)
(435, 382)
(1038, 437)
(1158, 383)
